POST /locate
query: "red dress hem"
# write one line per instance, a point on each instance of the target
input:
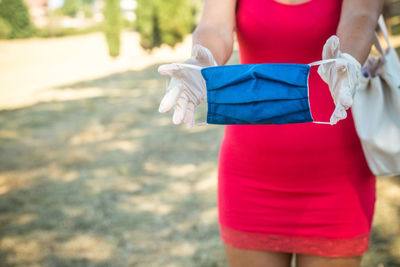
(319, 246)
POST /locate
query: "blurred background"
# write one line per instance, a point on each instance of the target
(90, 173)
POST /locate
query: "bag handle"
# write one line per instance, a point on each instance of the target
(378, 45)
(383, 28)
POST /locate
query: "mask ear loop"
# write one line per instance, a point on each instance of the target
(189, 66)
(316, 63)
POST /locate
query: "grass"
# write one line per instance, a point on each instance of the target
(105, 182)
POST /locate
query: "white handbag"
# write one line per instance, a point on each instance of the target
(376, 111)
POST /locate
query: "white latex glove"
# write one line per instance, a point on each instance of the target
(342, 76)
(187, 88)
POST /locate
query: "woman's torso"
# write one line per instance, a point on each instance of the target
(293, 179)
(272, 32)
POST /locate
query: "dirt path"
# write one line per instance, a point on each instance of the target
(29, 68)
(98, 177)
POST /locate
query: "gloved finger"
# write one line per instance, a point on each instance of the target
(180, 109)
(341, 113)
(172, 70)
(331, 48)
(345, 98)
(323, 73)
(169, 100)
(341, 65)
(203, 55)
(338, 114)
(189, 115)
(329, 51)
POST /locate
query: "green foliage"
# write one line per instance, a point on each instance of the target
(176, 19)
(112, 26)
(71, 8)
(5, 29)
(16, 14)
(88, 11)
(147, 23)
(163, 21)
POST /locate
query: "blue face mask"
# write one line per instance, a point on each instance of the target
(274, 93)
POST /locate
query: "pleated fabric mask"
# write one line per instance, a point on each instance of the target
(272, 93)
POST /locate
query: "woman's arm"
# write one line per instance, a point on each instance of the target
(357, 26)
(216, 27)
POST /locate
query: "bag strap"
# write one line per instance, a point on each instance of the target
(383, 28)
(378, 45)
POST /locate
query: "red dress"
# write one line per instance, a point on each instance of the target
(300, 188)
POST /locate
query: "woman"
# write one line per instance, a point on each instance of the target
(294, 188)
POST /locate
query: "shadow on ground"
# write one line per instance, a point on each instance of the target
(108, 181)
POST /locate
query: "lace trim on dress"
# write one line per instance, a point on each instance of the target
(325, 247)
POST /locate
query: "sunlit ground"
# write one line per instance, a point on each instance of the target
(92, 175)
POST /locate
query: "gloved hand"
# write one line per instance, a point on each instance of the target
(342, 76)
(187, 88)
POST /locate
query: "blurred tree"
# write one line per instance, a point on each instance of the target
(88, 11)
(147, 23)
(163, 21)
(16, 14)
(112, 26)
(70, 8)
(5, 29)
(197, 9)
(73, 7)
